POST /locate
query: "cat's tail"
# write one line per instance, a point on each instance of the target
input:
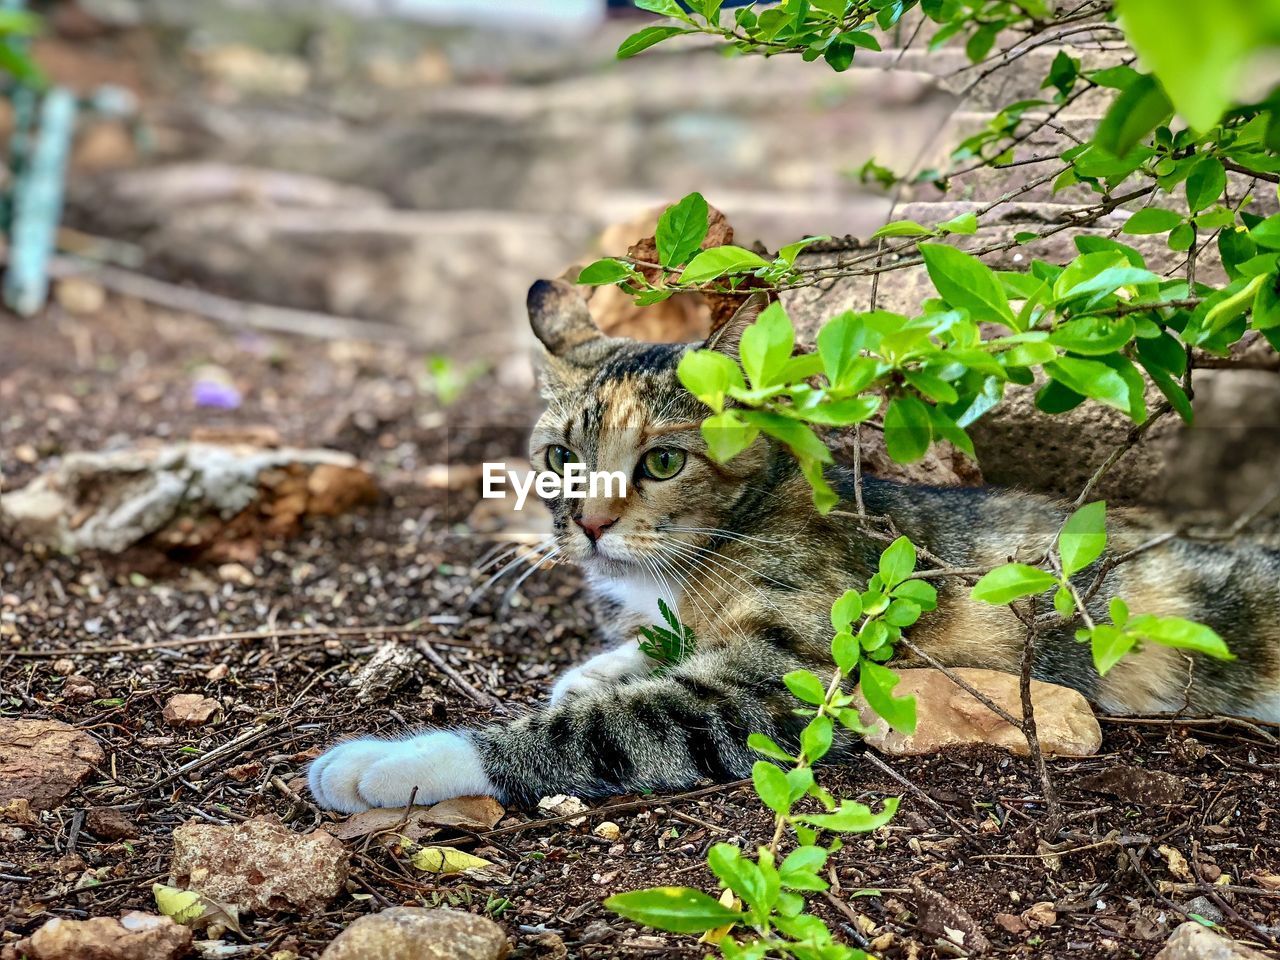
(661, 733)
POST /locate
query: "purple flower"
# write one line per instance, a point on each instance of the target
(215, 393)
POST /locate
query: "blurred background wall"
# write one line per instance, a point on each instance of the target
(418, 162)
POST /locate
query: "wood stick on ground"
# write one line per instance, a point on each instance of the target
(486, 701)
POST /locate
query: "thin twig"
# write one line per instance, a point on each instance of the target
(486, 701)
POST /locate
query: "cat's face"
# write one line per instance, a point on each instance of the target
(617, 405)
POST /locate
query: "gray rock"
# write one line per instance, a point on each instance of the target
(113, 500)
(416, 933)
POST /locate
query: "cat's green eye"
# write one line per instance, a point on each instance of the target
(662, 463)
(558, 456)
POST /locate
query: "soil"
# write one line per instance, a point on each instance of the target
(141, 628)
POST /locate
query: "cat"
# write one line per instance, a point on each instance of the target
(738, 550)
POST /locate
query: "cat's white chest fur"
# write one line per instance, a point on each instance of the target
(639, 593)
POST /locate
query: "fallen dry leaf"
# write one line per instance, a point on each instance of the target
(193, 909)
(1040, 915)
(1175, 861)
(446, 860)
(468, 813)
(1267, 881)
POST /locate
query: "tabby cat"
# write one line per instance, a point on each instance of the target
(739, 551)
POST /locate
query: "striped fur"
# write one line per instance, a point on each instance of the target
(738, 549)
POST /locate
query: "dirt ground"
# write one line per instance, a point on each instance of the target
(315, 608)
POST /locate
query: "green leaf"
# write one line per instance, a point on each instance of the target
(1134, 114)
(1010, 582)
(1083, 537)
(877, 683)
(843, 413)
(1091, 378)
(802, 441)
(663, 8)
(681, 230)
(1180, 634)
(839, 53)
(840, 341)
(1109, 646)
(646, 38)
(738, 874)
(771, 786)
(920, 592)
(806, 859)
(965, 281)
(727, 436)
(815, 739)
(965, 223)
(1093, 335)
(908, 429)
(677, 909)
(1064, 603)
(1119, 611)
(806, 686)
(605, 271)
(718, 261)
(1152, 220)
(897, 562)
(902, 228)
(787, 254)
(846, 610)
(1205, 183)
(766, 745)
(902, 613)
(1201, 53)
(845, 650)
(851, 817)
(709, 375)
(766, 345)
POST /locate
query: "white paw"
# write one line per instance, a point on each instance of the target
(358, 774)
(602, 670)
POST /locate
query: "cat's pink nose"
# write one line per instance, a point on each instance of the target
(594, 527)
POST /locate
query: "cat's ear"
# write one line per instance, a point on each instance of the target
(559, 316)
(726, 337)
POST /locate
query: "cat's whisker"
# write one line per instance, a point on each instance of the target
(700, 564)
(727, 534)
(723, 561)
(689, 591)
(499, 553)
(511, 590)
(534, 553)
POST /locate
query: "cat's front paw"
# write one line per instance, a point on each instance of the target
(606, 668)
(359, 774)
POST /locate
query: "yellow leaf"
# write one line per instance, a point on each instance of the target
(193, 909)
(180, 906)
(727, 899)
(446, 860)
(1176, 862)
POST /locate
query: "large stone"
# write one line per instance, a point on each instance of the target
(135, 936)
(187, 497)
(949, 716)
(42, 761)
(259, 865)
(416, 933)
(1193, 941)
